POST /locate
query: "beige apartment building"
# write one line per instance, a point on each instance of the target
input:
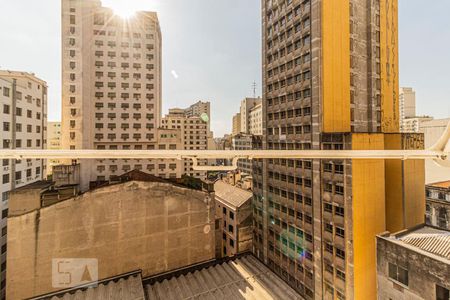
(23, 115)
(255, 120)
(236, 126)
(193, 136)
(330, 81)
(407, 106)
(234, 208)
(111, 93)
(247, 105)
(438, 204)
(53, 143)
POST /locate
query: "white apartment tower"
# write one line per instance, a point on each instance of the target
(23, 115)
(111, 89)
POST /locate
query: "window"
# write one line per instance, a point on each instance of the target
(4, 213)
(398, 274)
(5, 108)
(230, 228)
(442, 293)
(5, 178)
(231, 215)
(6, 92)
(5, 196)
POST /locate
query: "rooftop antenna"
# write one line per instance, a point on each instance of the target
(254, 89)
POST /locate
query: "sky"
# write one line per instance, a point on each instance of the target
(214, 48)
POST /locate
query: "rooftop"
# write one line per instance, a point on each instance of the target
(442, 184)
(230, 194)
(243, 278)
(128, 286)
(433, 241)
(240, 278)
(37, 185)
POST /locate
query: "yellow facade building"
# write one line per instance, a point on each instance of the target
(330, 82)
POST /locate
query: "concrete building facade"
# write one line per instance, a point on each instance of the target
(234, 208)
(407, 105)
(236, 124)
(255, 120)
(23, 115)
(414, 264)
(53, 143)
(149, 225)
(246, 142)
(438, 204)
(246, 106)
(330, 81)
(111, 87)
(413, 124)
(193, 136)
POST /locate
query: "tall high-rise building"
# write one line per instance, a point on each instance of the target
(330, 81)
(199, 109)
(53, 143)
(407, 105)
(255, 120)
(23, 115)
(236, 124)
(111, 70)
(246, 106)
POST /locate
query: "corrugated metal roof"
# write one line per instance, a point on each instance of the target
(231, 194)
(243, 278)
(429, 239)
(124, 288)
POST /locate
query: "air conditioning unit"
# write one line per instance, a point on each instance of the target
(6, 169)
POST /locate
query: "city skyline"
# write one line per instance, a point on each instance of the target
(191, 75)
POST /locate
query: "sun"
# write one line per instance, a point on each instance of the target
(123, 8)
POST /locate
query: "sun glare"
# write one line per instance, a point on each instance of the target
(123, 8)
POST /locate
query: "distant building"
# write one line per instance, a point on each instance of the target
(432, 131)
(199, 109)
(237, 128)
(414, 124)
(141, 222)
(23, 115)
(407, 105)
(193, 136)
(255, 120)
(234, 207)
(414, 264)
(438, 204)
(246, 142)
(246, 106)
(53, 143)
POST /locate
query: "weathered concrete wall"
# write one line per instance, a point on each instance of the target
(155, 227)
(23, 201)
(424, 272)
